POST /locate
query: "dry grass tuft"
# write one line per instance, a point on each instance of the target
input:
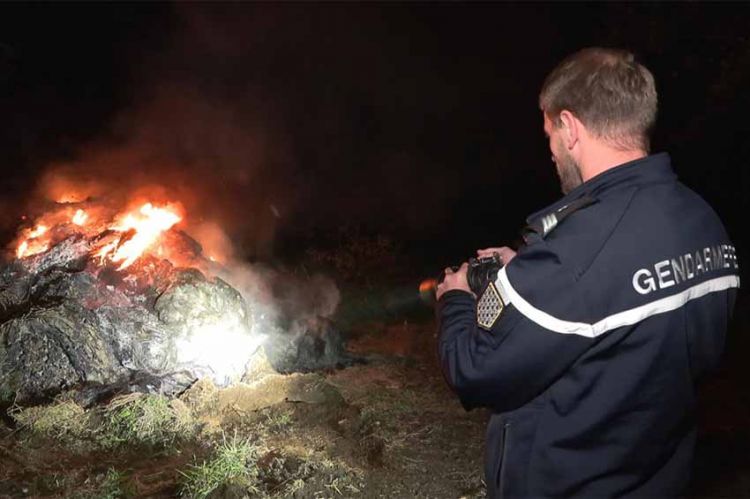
(145, 420)
(63, 421)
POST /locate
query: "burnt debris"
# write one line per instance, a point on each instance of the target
(68, 323)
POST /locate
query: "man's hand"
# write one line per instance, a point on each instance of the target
(506, 254)
(454, 280)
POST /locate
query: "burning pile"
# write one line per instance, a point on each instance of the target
(104, 301)
(121, 238)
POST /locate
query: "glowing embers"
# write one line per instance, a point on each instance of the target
(138, 231)
(39, 238)
(121, 239)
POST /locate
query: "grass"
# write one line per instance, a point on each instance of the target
(265, 458)
(133, 420)
(62, 421)
(145, 420)
(279, 421)
(234, 463)
(111, 486)
(381, 442)
(249, 469)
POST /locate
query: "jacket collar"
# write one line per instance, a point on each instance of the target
(652, 169)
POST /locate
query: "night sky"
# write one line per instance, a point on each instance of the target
(415, 121)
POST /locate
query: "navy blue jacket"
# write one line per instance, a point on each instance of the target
(609, 319)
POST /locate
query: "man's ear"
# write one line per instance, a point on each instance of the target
(570, 128)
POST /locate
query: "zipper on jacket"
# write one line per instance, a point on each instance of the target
(503, 457)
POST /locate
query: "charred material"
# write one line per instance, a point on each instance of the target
(98, 302)
(67, 323)
(311, 345)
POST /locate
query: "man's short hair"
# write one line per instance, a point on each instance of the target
(609, 91)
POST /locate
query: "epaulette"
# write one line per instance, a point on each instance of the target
(542, 226)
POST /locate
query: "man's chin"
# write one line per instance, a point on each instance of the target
(569, 176)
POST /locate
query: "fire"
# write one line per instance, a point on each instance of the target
(37, 240)
(146, 225)
(39, 231)
(134, 231)
(34, 242)
(80, 217)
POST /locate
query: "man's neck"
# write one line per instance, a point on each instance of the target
(605, 158)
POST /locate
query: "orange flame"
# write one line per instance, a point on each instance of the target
(134, 232)
(146, 226)
(38, 239)
(34, 243)
(80, 217)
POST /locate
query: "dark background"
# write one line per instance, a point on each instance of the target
(415, 121)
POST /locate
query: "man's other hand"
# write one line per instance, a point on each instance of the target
(454, 280)
(506, 253)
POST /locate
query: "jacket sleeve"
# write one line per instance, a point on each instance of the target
(517, 359)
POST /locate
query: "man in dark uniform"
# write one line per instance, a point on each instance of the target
(588, 346)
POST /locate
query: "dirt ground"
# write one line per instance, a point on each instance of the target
(387, 428)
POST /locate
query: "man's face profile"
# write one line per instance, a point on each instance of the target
(567, 168)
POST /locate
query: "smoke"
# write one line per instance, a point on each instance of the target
(263, 120)
(181, 146)
(282, 298)
(217, 245)
(193, 128)
(290, 314)
(275, 122)
(200, 131)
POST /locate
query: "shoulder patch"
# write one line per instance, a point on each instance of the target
(489, 307)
